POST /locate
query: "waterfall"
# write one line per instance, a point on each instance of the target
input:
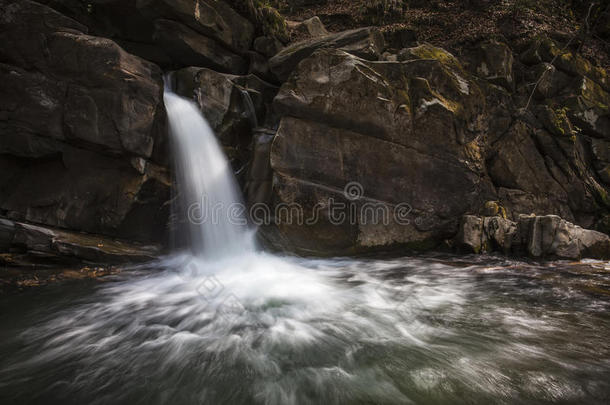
(208, 192)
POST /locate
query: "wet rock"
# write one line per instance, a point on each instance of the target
(552, 236)
(260, 174)
(366, 43)
(60, 244)
(485, 234)
(470, 236)
(537, 236)
(233, 105)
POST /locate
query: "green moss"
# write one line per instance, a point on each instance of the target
(268, 19)
(604, 196)
(427, 51)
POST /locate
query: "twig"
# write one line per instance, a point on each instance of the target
(547, 69)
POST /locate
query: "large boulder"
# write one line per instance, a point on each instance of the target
(51, 244)
(537, 236)
(82, 129)
(366, 43)
(348, 121)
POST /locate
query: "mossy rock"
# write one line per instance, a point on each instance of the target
(555, 120)
(274, 25)
(268, 20)
(427, 51)
(494, 209)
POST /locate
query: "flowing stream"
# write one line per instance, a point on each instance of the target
(223, 323)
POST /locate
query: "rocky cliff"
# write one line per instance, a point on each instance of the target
(423, 136)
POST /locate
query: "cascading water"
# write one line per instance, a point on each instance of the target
(209, 195)
(225, 324)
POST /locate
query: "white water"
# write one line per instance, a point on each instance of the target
(209, 195)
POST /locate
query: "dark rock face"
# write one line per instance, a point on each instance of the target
(186, 47)
(173, 34)
(428, 132)
(82, 129)
(381, 125)
(425, 137)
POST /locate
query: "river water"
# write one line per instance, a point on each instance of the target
(262, 329)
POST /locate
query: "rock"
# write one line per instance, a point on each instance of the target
(485, 234)
(36, 240)
(259, 66)
(589, 107)
(517, 164)
(187, 47)
(493, 208)
(414, 124)
(363, 42)
(112, 99)
(170, 33)
(601, 153)
(374, 98)
(470, 237)
(496, 64)
(267, 46)
(555, 121)
(76, 110)
(7, 232)
(538, 236)
(546, 50)
(552, 236)
(260, 174)
(310, 28)
(550, 81)
(233, 105)
(81, 190)
(214, 19)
